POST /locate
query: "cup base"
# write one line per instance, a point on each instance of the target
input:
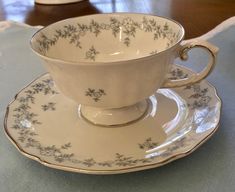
(114, 117)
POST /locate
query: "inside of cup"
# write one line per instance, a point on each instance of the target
(107, 37)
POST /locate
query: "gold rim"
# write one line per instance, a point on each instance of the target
(111, 171)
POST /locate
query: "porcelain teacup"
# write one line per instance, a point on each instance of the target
(110, 63)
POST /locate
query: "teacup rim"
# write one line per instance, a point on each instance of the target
(95, 63)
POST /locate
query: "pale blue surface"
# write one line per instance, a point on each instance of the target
(210, 168)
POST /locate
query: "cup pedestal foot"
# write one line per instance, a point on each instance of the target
(114, 117)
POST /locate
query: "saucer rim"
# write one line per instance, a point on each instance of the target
(110, 171)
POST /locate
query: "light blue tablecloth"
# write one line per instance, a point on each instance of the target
(210, 168)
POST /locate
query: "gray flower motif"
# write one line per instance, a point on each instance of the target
(177, 74)
(148, 144)
(92, 53)
(203, 101)
(166, 27)
(89, 162)
(49, 151)
(129, 27)
(50, 106)
(82, 29)
(147, 25)
(122, 160)
(127, 23)
(199, 96)
(95, 94)
(115, 26)
(60, 157)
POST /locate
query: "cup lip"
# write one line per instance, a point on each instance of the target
(95, 63)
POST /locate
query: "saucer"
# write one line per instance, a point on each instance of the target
(46, 126)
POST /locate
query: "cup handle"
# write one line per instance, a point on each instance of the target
(196, 77)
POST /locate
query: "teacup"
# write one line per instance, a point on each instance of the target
(110, 63)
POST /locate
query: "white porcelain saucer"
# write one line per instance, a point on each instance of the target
(46, 126)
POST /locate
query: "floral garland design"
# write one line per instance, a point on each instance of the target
(24, 119)
(74, 33)
(200, 95)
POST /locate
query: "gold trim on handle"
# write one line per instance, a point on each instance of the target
(197, 77)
